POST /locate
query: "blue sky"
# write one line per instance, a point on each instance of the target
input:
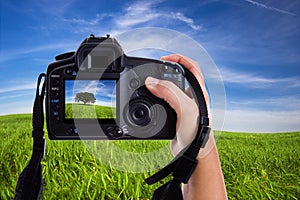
(255, 45)
(103, 90)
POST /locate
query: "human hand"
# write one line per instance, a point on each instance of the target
(184, 105)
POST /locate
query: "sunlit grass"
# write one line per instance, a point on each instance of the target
(255, 166)
(83, 111)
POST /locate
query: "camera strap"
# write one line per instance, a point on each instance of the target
(184, 164)
(30, 183)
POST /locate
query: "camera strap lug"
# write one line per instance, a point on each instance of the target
(30, 183)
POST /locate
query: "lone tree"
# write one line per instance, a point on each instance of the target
(85, 97)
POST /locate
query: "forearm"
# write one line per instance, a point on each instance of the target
(207, 181)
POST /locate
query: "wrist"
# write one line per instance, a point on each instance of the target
(210, 144)
(207, 181)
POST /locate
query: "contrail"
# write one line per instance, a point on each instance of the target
(269, 7)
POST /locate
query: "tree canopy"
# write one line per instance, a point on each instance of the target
(85, 97)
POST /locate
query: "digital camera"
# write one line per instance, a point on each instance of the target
(98, 92)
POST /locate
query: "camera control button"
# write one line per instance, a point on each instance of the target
(55, 76)
(119, 132)
(55, 81)
(134, 83)
(55, 88)
(71, 131)
(56, 119)
(70, 71)
(114, 132)
(56, 106)
(55, 95)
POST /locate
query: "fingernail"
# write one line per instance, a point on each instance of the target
(163, 57)
(151, 82)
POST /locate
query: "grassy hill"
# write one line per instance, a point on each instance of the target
(89, 111)
(255, 166)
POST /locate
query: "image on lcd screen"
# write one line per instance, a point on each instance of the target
(86, 99)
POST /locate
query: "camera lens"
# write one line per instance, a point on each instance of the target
(139, 112)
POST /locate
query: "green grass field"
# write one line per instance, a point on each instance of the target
(255, 166)
(89, 111)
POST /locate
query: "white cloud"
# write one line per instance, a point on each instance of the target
(252, 120)
(93, 86)
(106, 103)
(276, 103)
(189, 21)
(19, 87)
(133, 14)
(87, 22)
(16, 107)
(137, 13)
(90, 86)
(17, 53)
(144, 12)
(13, 96)
(269, 7)
(256, 81)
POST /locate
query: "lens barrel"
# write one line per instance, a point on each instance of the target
(139, 112)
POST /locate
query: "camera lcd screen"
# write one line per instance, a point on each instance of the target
(90, 99)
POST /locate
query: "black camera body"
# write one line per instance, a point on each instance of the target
(98, 92)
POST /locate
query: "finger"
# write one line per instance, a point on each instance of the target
(188, 63)
(192, 66)
(185, 108)
(168, 91)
